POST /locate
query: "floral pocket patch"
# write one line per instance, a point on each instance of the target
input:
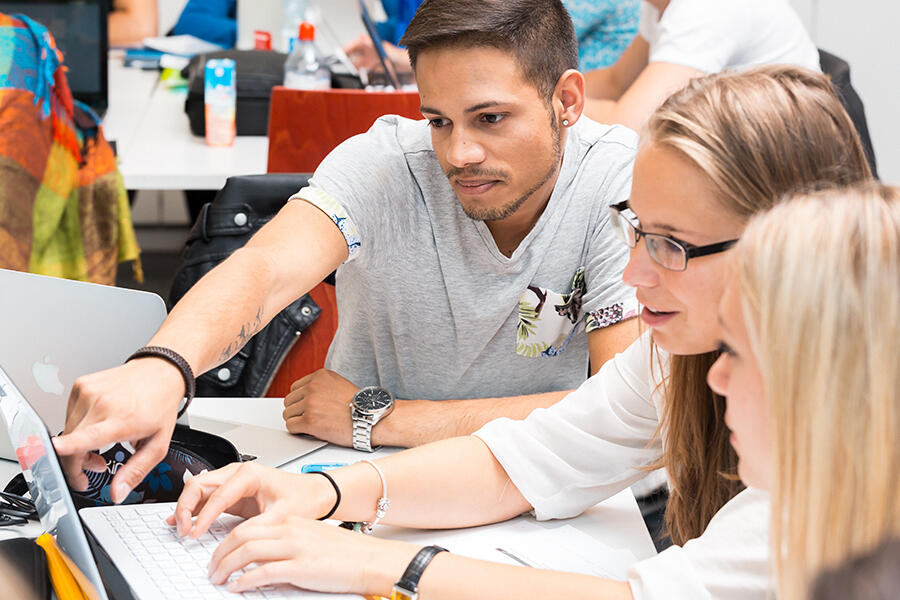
(548, 320)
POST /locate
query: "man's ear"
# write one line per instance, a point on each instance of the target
(568, 98)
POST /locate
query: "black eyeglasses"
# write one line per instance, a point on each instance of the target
(665, 251)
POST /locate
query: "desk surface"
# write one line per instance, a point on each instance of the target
(156, 148)
(616, 522)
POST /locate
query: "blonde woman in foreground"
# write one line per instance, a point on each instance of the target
(716, 153)
(811, 372)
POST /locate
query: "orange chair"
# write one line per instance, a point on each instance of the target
(304, 126)
(308, 354)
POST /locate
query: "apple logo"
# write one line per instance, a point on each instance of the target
(47, 377)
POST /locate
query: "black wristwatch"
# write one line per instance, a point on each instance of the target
(408, 586)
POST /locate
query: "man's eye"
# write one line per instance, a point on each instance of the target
(437, 123)
(492, 118)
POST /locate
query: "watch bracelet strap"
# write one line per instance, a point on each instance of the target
(180, 363)
(409, 582)
(362, 435)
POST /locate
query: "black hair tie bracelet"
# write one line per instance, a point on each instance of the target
(337, 491)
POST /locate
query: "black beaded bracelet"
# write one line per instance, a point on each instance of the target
(176, 359)
(337, 491)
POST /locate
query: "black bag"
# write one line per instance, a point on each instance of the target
(190, 453)
(256, 73)
(24, 557)
(245, 204)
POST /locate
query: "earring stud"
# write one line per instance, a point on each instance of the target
(565, 122)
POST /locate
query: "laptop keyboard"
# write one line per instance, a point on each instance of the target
(178, 564)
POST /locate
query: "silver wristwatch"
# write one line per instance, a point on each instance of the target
(369, 405)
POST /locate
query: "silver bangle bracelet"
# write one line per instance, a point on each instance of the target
(383, 503)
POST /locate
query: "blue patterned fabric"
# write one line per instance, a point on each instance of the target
(604, 29)
(28, 71)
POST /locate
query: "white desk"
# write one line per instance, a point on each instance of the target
(616, 521)
(156, 148)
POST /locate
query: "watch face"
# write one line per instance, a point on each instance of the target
(372, 399)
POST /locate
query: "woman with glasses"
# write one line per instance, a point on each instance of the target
(722, 149)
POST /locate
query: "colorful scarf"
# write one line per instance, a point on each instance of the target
(63, 207)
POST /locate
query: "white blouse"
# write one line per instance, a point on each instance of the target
(594, 443)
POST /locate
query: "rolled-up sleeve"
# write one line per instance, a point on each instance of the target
(588, 446)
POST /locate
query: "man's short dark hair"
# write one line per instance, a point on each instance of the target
(539, 33)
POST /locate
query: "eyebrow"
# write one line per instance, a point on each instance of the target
(471, 109)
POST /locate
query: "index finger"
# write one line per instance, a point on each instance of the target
(221, 494)
(196, 490)
(85, 438)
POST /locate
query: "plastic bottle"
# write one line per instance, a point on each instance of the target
(304, 69)
(294, 14)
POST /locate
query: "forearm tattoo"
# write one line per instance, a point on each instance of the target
(248, 330)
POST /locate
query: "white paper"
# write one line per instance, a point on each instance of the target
(525, 543)
(569, 549)
(180, 45)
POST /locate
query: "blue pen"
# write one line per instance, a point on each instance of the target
(318, 467)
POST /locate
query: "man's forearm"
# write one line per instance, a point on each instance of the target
(220, 313)
(285, 259)
(417, 422)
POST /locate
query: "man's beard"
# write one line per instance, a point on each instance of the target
(507, 210)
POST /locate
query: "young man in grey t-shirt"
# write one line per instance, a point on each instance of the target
(475, 257)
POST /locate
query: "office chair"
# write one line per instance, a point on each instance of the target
(839, 71)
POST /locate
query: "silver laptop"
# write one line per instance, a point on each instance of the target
(55, 330)
(150, 561)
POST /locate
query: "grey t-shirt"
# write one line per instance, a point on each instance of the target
(429, 308)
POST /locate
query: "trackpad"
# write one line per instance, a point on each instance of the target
(212, 425)
(271, 447)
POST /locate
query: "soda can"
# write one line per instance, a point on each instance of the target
(220, 98)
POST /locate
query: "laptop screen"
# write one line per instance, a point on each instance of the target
(80, 30)
(378, 43)
(46, 482)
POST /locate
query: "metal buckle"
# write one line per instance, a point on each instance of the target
(401, 593)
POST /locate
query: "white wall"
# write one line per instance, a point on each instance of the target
(863, 32)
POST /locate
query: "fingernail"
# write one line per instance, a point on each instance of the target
(119, 492)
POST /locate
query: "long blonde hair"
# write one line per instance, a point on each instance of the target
(820, 285)
(756, 135)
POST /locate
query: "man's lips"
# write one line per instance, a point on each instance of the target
(475, 186)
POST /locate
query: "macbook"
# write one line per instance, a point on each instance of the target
(130, 552)
(55, 330)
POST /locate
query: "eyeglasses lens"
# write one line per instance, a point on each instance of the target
(666, 252)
